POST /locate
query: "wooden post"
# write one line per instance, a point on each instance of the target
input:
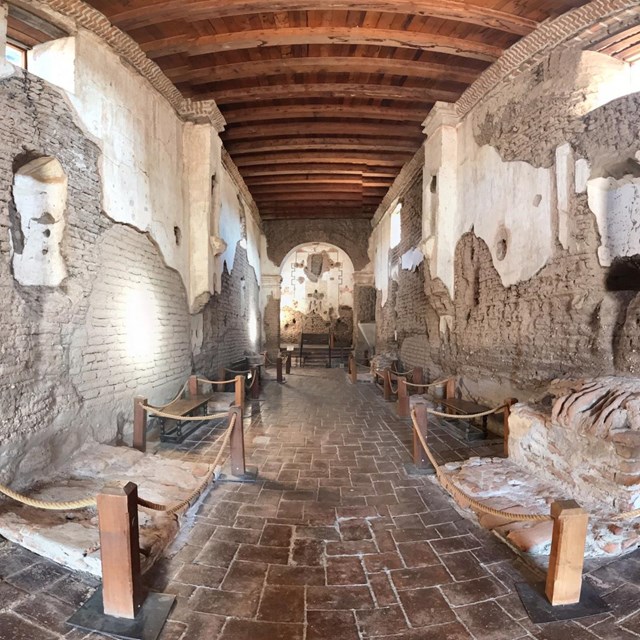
(418, 375)
(505, 428)
(122, 590)
(265, 355)
(237, 442)
(386, 376)
(420, 458)
(403, 399)
(564, 578)
(353, 369)
(280, 379)
(239, 400)
(193, 386)
(288, 364)
(255, 382)
(450, 389)
(139, 424)
(222, 375)
(366, 358)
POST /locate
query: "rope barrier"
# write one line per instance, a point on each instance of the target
(155, 506)
(628, 515)
(465, 416)
(448, 485)
(253, 381)
(184, 387)
(62, 505)
(211, 382)
(401, 374)
(173, 416)
(240, 373)
(426, 386)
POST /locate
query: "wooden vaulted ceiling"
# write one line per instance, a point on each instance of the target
(324, 100)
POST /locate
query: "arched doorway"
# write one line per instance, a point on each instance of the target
(316, 293)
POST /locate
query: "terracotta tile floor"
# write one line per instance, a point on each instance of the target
(335, 542)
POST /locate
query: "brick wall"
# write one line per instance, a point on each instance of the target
(73, 357)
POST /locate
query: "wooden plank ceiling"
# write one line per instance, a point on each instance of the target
(324, 100)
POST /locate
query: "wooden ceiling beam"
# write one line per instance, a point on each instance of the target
(333, 199)
(302, 169)
(321, 90)
(319, 179)
(313, 213)
(287, 66)
(375, 159)
(287, 112)
(191, 44)
(321, 144)
(252, 132)
(142, 14)
(318, 189)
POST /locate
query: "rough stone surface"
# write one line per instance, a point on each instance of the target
(351, 236)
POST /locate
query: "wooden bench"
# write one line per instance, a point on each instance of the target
(246, 368)
(182, 407)
(314, 346)
(464, 408)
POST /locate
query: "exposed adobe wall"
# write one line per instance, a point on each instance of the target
(350, 235)
(114, 322)
(578, 313)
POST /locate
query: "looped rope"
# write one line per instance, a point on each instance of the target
(240, 373)
(448, 485)
(402, 374)
(173, 510)
(173, 416)
(184, 387)
(48, 505)
(426, 386)
(627, 515)
(466, 416)
(212, 382)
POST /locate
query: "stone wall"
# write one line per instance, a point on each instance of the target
(114, 322)
(541, 285)
(351, 236)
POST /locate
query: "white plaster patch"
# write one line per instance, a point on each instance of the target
(412, 259)
(616, 206)
(565, 169)
(40, 194)
(582, 174)
(197, 333)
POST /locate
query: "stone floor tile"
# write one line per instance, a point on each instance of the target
(245, 577)
(271, 555)
(487, 621)
(470, 591)
(281, 575)
(225, 603)
(282, 604)
(336, 597)
(426, 607)
(275, 535)
(418, 554)
(333, 625)
(381, 621)
(308, 552)
(345, 571)
(420, 577)
(37, 577)
(13, 627)
(256, 630)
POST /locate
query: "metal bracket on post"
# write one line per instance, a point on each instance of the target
(139, 424)
(421, 465)
(236, 469)
(564, 596)
(121, 608)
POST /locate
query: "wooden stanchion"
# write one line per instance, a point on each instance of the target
(288, 364)
(564, 577)
(386, 376)
(193, 387)
(279, 378)
(450, 389)
(237, 442)
(239, 399)
(403, 399)
(139, 424)
(222, 375)
(255, 389)
(420, 459)
(122, 589)
(505, 428)
(353, 370)
(418, 375)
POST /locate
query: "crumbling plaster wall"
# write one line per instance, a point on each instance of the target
(532, 272)
(117, 323)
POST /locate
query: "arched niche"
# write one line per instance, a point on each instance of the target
(316, 292)
(40, 197)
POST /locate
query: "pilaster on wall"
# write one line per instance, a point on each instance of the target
(439, 211)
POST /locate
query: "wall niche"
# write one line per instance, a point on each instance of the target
(40, 197)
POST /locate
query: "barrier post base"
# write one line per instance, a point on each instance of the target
(540, 610)
(147, 624)
(249, 476)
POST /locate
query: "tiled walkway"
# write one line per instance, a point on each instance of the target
(335, 542)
